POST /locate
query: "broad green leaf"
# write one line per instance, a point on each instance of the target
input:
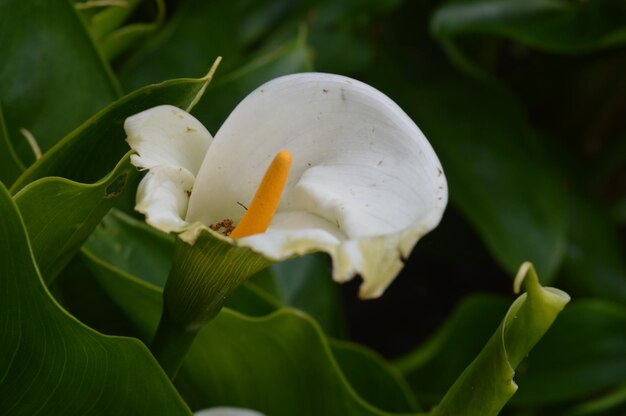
(306, 283)
(89, 152)
(10, 165)
(561, 26)
(80, 294)
(342, 26)
(110, 260)
(61, 214)
(132, 247)
(594, 265)
(497, 170)
(487, 383)
(140, 300)
(52, 76)
(50, 363)
(431, 369)
(581, 357)
(271, 363)
(197, 33)
(373, 378)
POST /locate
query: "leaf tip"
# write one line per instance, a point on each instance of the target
(525, 269)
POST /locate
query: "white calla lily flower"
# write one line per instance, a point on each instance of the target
(364, 183)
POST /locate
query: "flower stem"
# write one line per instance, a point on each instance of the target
(171, 344)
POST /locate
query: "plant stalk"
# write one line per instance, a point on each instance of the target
(171, 344)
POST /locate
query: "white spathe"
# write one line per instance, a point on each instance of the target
(227, 411)
(364, 186)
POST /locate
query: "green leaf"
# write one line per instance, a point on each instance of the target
(52, 76)
(140, 300)
(610, 404)
(10, 165)
(197, 33)
(271, 363)
(497, 170)
(107, 20)
(594, 265)
(306, 283)
(89, 152)
(373, 378)
(140, 297)
(79, 293)
(487, 383)
(583, 356)
(121, 40)
(61, 214)
(560, 26)
(50, 363)
(132, 247)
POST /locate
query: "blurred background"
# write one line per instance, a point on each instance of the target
(524, 101)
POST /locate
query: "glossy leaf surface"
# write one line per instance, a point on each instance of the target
(50, 363)
(553, 25)
(61, 214)
(52, 77)
(89, 152)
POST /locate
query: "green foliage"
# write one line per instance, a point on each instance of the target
(432, 368)
(523, 101)
(487, 383)
(89, 152)
(554, 25)
(10, 165)
(592, 362)
(234, 345)
(51, 363)
(61, 214)
(55, 78)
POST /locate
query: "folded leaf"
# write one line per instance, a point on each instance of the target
(487, 383)
(89, 152)
(50, 363)
(60, 214)
(582, 357)
(433, 367)
(52, 77)
(271, 363)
